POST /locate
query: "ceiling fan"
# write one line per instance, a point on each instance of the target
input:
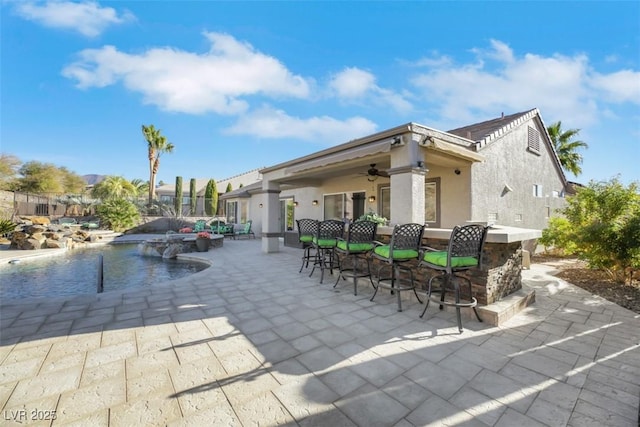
(373, 173)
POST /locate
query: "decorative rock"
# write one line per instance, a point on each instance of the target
(92, 238)
(172, 251)
(56, 244)
(33, 229)
(30, 244)
(40, 220)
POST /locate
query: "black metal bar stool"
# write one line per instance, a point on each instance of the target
(307, 229)
(404, 246)
(356, 247)
(464, 252)
(324, 242)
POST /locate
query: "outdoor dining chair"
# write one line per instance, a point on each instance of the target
(356, 248)
(464, 251)
(403, 247)
(324, 243)
(307, 229)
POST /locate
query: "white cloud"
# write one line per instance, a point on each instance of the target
(352, 83)
(188, 82)
(563, 87)
(621, 86)
(271, 123)
(355, 85)
(87, 18)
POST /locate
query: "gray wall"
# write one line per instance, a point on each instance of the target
(508, 162)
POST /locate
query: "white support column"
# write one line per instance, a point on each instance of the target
(270, 216)
(407, 184)
(407, 196)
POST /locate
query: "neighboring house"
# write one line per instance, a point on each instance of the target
(502, 171)
(167, 192)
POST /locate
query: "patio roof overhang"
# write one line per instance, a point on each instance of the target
(452, 150)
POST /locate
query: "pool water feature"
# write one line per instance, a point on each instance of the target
(76, 272)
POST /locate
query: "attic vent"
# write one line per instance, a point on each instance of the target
(533, 141)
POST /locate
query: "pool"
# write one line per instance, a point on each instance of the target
(76, 272)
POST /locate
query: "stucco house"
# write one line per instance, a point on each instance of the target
(502, 171)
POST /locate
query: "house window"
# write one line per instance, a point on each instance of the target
(492, 218)
(555, 193)
(334, 206)
(533, 140)
(432, 202)
(537, 190)
(232, 212)
(518, 217)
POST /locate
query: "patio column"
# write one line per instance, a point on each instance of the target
(270, 216)
(407, 184)
(407, 196)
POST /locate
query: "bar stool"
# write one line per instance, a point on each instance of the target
(356, 247)
(464, 252)
(324, 243)
(404, 246)
(307, 229)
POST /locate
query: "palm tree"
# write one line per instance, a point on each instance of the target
(141, 186)
(157, 144)
(567, 149)
(114, 187)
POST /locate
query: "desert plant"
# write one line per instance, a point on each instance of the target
(6, 226)
(193, 198)
(177, 201)
(118, 214)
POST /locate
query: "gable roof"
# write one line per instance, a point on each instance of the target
(484, 132)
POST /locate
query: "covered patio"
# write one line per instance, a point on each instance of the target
(250, 341)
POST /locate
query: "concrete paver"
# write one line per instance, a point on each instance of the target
(251, 341)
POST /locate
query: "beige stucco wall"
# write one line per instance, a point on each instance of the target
(509, 163)
(455, 199)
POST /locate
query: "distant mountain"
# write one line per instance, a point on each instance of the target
(93, 179)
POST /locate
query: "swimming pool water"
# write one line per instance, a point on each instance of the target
(76, 272)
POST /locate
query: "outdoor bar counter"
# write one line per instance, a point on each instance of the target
(500, 275)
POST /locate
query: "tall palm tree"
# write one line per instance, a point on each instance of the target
(566, 147)
(157, 144)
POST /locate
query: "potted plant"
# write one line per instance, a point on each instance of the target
(203, 241)
(374, 217)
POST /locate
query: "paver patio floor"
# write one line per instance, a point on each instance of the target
(250, 341)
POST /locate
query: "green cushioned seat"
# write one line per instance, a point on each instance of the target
(355, 247)
(324, 243)
(306, 239)
(440, 258)
(383, 251)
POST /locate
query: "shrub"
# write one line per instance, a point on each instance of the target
(602, 227)
(6, 226)
(558, 236)
(118, 214)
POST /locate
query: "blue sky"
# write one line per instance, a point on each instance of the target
(242, 85)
